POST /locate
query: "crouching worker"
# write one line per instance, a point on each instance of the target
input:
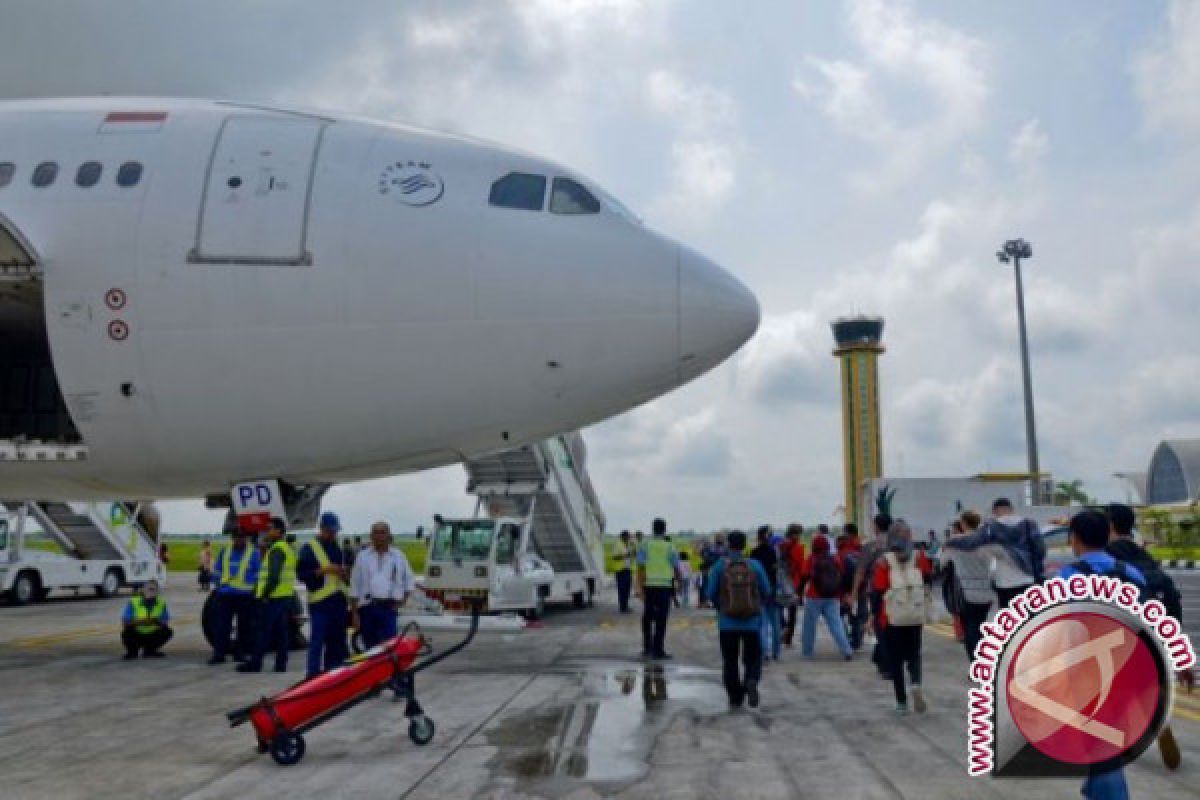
(737, 587)
(144, 622)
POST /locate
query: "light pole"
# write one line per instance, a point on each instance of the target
(1014, 250)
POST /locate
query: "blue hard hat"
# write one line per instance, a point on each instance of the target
(330, 520)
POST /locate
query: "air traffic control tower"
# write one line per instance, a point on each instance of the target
(859, 342)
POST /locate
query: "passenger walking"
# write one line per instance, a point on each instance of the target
(791, 557)
(275, 592)
(684, 580)
(970, 581)
(379, 586)
(322, 567)
(823, 598)
(1088, 534)
(902, 578)
(862, 589)
(736, 589)
(145, 623)
(854, 606)
(625, 556)
(1020, 561)
(204, 570)
(236, 572)
(764, 553)
(657, 562)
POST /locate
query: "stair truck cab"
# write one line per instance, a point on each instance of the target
(539, 540)
(100, 548)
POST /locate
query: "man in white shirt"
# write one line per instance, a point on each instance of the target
(379, 585)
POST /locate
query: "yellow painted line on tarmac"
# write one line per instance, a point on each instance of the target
(78, 634)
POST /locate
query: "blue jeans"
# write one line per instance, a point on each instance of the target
(377, 623)
(828, 608)
(1106, 786)
(771, 631)
(327, 637)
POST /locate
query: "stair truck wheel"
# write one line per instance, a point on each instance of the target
(25, 588)
(287, 749)
(110, 584)
(421, 730)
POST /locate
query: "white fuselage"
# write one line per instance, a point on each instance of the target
(323, 299)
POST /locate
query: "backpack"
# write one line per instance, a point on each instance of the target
(904, 602)
(739, 590)
(850, 561)
(1159, 585)
(826, 577)
(1117, 570)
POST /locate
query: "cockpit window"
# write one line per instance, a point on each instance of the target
(568, 197)
(519, 190)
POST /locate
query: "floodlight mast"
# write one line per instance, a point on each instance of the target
(1013, 251)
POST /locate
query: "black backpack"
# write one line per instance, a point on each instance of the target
(826, 577)
(1159, 585)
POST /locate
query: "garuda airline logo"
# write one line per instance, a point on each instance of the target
(413, 183)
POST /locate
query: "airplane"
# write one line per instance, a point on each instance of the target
(197, 292)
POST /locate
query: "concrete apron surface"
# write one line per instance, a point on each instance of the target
(563, 710)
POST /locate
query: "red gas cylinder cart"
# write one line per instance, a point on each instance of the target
(281, 721)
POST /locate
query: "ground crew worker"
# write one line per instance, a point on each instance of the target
(322, 567)
(236, 571)
(379, 585)
(657, 563)
(144, 623)
(625, 556)
(275, 592)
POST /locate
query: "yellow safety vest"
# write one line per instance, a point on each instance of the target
(659, 572)
(287, 578)
(228, 578)
(332, 584)
(141, 613)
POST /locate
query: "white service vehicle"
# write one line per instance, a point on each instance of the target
(541, 540)
(102, 549)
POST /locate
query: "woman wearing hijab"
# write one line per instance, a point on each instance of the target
(902, 577)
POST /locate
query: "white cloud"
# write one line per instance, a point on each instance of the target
(1167, 72)
(939, 70)
(1029, 145)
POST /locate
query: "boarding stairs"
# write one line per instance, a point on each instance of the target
(90, 533)
(549, 477)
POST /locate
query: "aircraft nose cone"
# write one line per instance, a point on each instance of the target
(717, 313)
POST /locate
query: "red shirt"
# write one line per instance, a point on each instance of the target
(793, 556)
(881, 581)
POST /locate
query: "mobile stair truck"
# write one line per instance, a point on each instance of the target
(537, 536)
(103, 548)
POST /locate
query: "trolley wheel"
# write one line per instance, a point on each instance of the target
(287, 749)
(420, 730)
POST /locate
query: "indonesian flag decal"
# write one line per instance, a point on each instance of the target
(133, 122)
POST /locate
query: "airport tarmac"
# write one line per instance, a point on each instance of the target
(563, 710)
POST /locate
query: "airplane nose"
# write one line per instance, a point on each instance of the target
(717, 313)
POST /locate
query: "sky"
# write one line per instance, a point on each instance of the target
(863, 156)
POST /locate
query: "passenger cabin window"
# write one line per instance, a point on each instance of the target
(6, 173)
(129, 174)
(88, 174)
(519, 190)
(569, 197)
(44, 174)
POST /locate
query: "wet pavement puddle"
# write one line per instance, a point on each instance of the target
(607, 734)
